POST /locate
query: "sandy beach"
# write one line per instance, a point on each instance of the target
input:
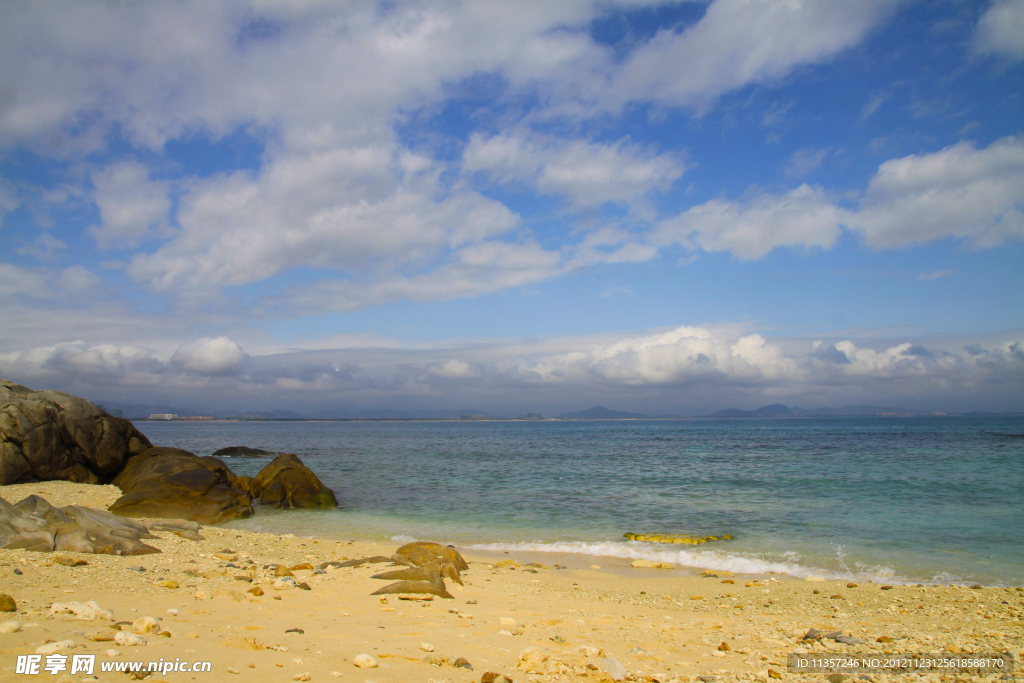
(558, 620)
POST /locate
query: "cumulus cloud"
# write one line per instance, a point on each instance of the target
(587, 173)
(217, 357)
(803, 161)
(1000, 30)
(693, 369)
(959, 191)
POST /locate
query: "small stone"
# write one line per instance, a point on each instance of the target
(173, 612)
(69, 561)
(255, 590)
(836, 678)
(851, 585)
(284, 583)
(883, 639)
(887, 588)
(126, 639)
(301, 677)
(282, 571)
(112, 653)
(976, 586)
(303, 586)
(616, 671)
(146, 625)
(492, 677)
(50, 648)
(728, 581)
(17, 572)
(462, 663)
(7, 603)
(304, 566)
(696, 597)
(724, 647)
(772, 673)
(336, 674)
(295, 630)
(10, 627)
(232, 670)
(837, 596)
(364, 662)
(426, 647)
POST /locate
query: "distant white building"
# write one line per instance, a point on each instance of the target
(163, 416)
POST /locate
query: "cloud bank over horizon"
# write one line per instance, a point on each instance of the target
(187, 188)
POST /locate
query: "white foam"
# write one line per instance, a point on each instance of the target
(703, 559)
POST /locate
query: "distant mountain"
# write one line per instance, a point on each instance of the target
(779, 410)
(602, 413)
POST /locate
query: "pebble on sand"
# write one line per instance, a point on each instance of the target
(7, 603)
(364, 662)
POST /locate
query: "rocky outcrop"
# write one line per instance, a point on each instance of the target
(173, 483)
(287, 483)
(243, 452)
(48, 435)
(34, 524)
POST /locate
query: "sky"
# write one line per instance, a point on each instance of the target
(659, 207)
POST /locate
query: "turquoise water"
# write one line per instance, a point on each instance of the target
(929, 499)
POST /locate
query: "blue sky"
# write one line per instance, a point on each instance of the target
(532, 206)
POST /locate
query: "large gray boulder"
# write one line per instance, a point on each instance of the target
(48, 435)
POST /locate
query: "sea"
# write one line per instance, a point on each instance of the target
(932, 500)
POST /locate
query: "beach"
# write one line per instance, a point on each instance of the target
(561, 619)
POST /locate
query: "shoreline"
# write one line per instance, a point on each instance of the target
(666, 626)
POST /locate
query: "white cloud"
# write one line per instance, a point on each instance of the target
(959, 191)
(44, 247)
(587, 173)
(803, 161)
(132, 207)
(739, 42)
(215, 357)
(76, 361)
(750, 229)
(1000, 30)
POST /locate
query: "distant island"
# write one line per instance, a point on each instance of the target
(779, 410)
(602, 413)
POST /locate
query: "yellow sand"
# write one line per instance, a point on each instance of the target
(658, 623)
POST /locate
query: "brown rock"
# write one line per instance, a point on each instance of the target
(302, 566)
(7, 603)
(172, 483)
(724, 647)
(283, 571)
(287, 483)
(255, 590)
(48, 435)
(69, 561)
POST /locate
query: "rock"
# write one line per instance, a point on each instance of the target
(281, 570)
(492, 677)
(364, 662)
(616, 671)
(167, 583)
(243, 451)
(112, 653)
(146, 625)
(302, 566)
(126, 639)
(462, 663)
(508, 621)
(255, 590)
(10, 627)
(301, 677)
(286, 483)
(86, 611)
(33, 524)
(642, 563)
(415, 587)
(47, 435)
(284, 583)
(426, 647)
(50, 648)
(7, 603)
(724, 647)
(173, 483)
(674, 538)
(429, 573)
(717, 573)
(69, 561)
